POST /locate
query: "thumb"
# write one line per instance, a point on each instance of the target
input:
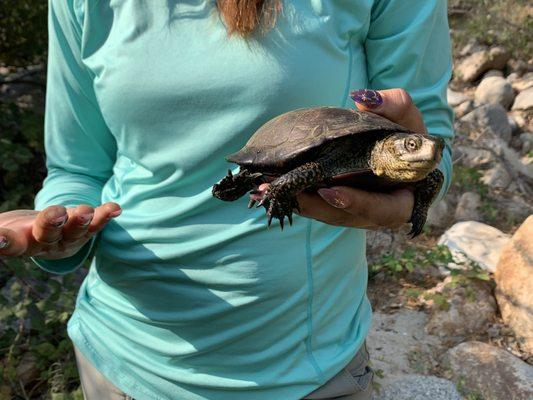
(393, 104)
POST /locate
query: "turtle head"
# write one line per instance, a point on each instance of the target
(406, 157)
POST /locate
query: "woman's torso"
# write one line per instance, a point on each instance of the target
(197, 297)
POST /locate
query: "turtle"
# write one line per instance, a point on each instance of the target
(309, 148)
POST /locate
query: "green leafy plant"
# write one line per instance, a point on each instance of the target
(411, 258)
(34, 309)
(23, 35)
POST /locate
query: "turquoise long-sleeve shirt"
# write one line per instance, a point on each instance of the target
(189, 297)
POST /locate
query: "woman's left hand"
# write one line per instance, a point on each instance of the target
(350, 207)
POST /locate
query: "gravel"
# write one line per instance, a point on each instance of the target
(418, 387)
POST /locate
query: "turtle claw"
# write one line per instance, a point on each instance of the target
(279, 208)
(417, 225)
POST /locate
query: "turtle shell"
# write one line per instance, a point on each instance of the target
(289, 136)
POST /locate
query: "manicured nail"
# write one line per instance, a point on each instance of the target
(333, 197)
(3, 242)
(85, 219)
(367, 97)
(59, 221)
(115, 213)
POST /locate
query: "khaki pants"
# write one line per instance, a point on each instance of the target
(354, 382)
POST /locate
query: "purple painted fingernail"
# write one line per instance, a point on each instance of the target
(333, 197)
(367, 97)
(3, 242)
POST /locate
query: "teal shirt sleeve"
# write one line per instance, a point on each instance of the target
(408, 46)
(79, 147)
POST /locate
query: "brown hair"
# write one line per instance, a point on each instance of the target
(245, 16)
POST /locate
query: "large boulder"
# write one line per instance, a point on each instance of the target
(475, 241)
(473, 66)
(495, 90)
(514, 284)
(489, 371)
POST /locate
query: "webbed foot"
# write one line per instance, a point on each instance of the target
(233, 187)
(278, 206)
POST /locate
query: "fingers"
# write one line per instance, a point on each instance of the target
(12, 243)
(48, 225)
(102, 215)
(77, 226)
(393, 104)
(345, 206)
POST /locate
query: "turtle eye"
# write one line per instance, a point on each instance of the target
(411, 145)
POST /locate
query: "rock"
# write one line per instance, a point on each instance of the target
(514, 284)
(439, 214)
(493, 73)
(521, 83)
(464, 108)
(475, 241)
(497, 177)
(394, 338)
(516, 208)
(521, 119)
(489, 119)
(515, 129)
(474, 65)
(417, 387)
(517, 66)
(381, 242)
(524, 100)
(471, 47)
(27, 370)
(456, 98)
(515, 164)
(489, 371)
(459, 307)
(474, 158)
(526, 140)
(495, 90)
(467, 207)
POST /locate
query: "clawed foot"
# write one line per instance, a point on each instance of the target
(417, 220)
(233, 187)
(277, 206)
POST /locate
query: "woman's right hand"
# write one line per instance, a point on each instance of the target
(53, 233)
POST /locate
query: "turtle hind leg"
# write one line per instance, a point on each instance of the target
(425, 192)
(233, 187)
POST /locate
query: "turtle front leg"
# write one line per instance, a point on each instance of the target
(280, 197)
(233, 187)
(425, 192)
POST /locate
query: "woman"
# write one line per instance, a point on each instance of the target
(188, 297)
